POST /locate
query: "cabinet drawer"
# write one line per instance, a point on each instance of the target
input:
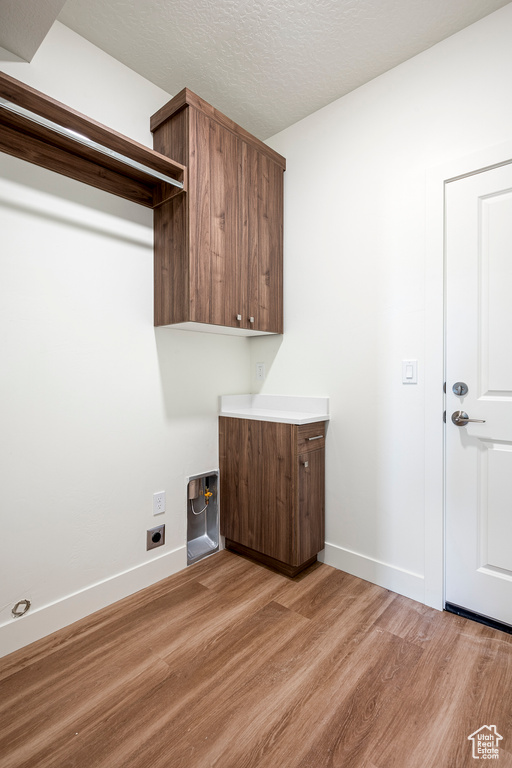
(311, 437)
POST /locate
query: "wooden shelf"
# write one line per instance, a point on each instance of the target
(23, 138)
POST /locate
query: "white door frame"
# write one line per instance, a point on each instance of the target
(434, 358)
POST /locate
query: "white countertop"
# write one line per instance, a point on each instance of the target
(282, 408)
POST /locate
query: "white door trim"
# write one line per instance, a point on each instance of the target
(434, 357)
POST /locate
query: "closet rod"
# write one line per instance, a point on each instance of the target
(81, 139)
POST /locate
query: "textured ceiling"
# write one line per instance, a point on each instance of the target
(268, 63)
(24, 25)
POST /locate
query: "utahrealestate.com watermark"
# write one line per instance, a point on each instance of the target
(486, 743)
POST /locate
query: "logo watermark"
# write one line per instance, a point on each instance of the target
(486, 743)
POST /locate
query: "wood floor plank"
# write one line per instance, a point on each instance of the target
(325, 591)
(360, 715)
(434, 719)
(291, 725)
(55, 741)
(165, 712)
(123, 646)
(231, 665)
(105, 618)
(409, 619)
(272, 693)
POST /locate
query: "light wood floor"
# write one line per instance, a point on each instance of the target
(229, 664)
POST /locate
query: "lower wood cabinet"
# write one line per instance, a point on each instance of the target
(272, 490)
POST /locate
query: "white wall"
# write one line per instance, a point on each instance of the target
(355, 282)
(97, 408)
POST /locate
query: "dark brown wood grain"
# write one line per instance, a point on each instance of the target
(310, 536)
(271, 562)
(186, 97)
(62, 155)
(272, 491)
(258, 486)
(233, 246)
(248, 233)
(199, 253)
(172, 235)
(231, 664)
(267, 285)
(261, 241)
(310, 437)
(272, 498)
(171, 265)
(225, 257)
(234, 478)
(39, 152)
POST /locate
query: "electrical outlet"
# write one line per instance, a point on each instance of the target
(159, 502)
(260, 371)
(155, 537)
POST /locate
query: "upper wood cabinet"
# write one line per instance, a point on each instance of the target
(219, 247)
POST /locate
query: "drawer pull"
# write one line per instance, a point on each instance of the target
(318, 437)
(306, 464)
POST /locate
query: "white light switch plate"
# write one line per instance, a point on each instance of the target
(409, 371)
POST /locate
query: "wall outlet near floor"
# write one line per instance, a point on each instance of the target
(155, 537)
(260, 371)
(158, 502)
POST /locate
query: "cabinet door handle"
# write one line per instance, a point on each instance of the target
(251, 319)
(239, 317)
(318, 437)
(306, 463)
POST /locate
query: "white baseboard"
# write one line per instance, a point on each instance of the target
(39, 623)
(49, 618)
(388, 576)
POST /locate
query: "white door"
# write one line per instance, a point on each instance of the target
(479, 354)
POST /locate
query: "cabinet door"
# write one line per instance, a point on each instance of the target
(262, 241)
(219, 247)
(235, 456)
(258, 485)
(224, 280)
(275, 491)
(197, 257)
(311, 511)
